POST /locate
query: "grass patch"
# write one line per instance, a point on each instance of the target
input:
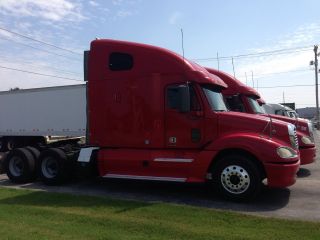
(28, 214)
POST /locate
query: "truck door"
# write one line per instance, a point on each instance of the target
(183, 130)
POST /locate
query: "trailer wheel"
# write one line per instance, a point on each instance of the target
(55, 168)
(237, 178)
(20, 166)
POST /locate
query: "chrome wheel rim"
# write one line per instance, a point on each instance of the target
(16, 166)
(49, 167)
(235, 179)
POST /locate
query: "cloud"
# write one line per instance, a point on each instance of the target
(12, 78)
(117, 2)
(123, 2)
(53, 10)
(268, 65)
(93, 3)
(124, 13)
(293, 66)
(173, 19)
(296, 59)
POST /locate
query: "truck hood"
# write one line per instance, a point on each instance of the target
(301, 124)
(253, 124)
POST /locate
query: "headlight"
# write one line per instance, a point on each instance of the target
(285, 152)
(306, 140)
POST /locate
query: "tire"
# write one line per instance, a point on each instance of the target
(55, 168)
(36, 154)
(237, 178)
(20, 166)
(3, 157)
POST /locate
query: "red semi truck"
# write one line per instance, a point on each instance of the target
(240, 97)
(153, 115)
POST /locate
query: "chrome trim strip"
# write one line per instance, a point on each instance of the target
(174, 160)
(152, 178)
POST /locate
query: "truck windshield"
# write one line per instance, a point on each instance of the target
(215, 98)
(256, 108)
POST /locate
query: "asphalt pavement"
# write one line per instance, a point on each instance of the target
(300, 201)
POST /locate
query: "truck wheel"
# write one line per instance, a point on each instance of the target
(20, 166)
(55, 168)
(237, 178)
(36, 154)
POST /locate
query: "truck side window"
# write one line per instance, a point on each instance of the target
(120, 61)
(173, 98)
(234, 103)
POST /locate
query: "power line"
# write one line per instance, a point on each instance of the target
(285, 86)
(73, 79)
(260, 54)
(59, 70)
(308, 104)
(275, 73)
(39, 41)
(40, 49)
(41, 74)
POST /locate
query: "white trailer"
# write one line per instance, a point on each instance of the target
(27, 116)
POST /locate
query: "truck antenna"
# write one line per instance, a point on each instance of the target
(182, 44)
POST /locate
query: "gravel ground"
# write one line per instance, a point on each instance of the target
(300, 201)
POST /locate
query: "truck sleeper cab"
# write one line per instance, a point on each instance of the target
(242, 98)
(153, 115)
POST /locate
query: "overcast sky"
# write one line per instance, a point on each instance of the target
(229, 28)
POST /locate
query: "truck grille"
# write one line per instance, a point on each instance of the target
(296, 139)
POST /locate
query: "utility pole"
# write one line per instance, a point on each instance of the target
(252, 79)
(246, 78)
(218, 61)
(234, 73)
(315, 49)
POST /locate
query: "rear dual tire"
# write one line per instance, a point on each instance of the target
(55, 167)
(24, 165)
(20, 166)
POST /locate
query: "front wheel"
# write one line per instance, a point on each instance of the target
(237, 178)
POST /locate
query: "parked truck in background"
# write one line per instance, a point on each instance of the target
(242, 98)
(153, 115)
(278, 109)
